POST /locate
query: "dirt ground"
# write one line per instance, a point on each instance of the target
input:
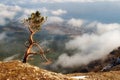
(16, 70)
(111, 75)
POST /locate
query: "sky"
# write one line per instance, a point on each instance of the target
(106, 11)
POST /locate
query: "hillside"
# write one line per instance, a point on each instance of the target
(16, 70)
(112, 75)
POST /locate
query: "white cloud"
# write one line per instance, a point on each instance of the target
(15, 2)
(52, 1)
(14, 12)
(56, 1)
(28, 11)
(58, 12)
(2, 36)
(89, 47)
(10, 57)
(7, 12)
(54, 19)
(102, 28)
(44, 10)
(75, 22)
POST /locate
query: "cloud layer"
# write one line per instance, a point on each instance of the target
(7, 13)
(54, 20)
(2, 36)
(91, 45)
(75, 22)
(54, 1)
(59, 12)
(13, 12)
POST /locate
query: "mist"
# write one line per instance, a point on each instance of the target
(96, 42)
(2, 36)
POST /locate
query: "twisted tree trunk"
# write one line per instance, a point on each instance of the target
(30, 46)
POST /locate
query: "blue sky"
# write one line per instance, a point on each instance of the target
(106, 11)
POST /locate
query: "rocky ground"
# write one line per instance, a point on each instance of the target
(16, 70)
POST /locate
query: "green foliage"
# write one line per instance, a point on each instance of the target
(35, 21)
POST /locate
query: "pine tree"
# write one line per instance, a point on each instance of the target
(34, 23)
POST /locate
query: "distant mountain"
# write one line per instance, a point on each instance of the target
(62, 29)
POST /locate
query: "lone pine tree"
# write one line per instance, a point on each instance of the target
(34, 23)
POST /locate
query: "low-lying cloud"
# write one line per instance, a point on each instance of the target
(75, 22)
(10, 12)
(17, 13)
(7, 12)
(99, 40)
(54, 20)
(2, 36)
(58, 12)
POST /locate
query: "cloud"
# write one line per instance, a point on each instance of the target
(17, 13)
(7, 12)
(59, 1)
(2, 36)
(58, 12)
(52, 1)
(54, 19)
(91, 46)
(102, 28)
(11, 57)
(75, 22)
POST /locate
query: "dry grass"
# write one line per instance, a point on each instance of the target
(16, 70)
